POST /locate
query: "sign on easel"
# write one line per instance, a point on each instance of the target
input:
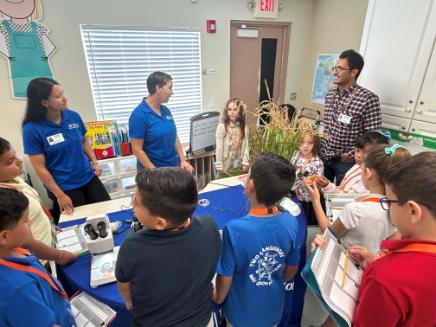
(203, 129)
(266, 8)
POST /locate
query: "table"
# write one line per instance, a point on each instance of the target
(225, 200)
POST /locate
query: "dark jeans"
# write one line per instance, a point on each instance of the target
(335, 167)
(89, 193)
(310, 212)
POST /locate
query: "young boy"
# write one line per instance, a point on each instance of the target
(398, 289)
(29, 295)
(352, 182)
(259, 251)
(41, 240)
(164, 271)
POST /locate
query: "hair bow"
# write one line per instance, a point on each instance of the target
(390, 150)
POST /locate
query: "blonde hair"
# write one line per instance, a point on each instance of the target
(36, 14)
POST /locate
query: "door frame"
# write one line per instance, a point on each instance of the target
(284, 56)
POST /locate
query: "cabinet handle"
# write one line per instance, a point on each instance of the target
(419, 111)
(413, 130)
(408, 109)
(410, 101)
(403, 128)
(421, 102)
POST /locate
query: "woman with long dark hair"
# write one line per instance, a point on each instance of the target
(54, 139)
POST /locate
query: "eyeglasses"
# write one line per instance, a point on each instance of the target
(339, 69)
(386, 203)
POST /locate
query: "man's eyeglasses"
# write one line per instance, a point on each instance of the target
(339, 69)
(386, 203)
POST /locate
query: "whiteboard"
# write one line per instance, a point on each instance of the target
(203, 129)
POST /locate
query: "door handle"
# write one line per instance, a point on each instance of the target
(421, 102)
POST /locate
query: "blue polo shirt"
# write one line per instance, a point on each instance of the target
(255, 251)
(158, 132)
(28, 300)
(62, 147)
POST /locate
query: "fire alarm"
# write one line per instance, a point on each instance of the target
(211, 25)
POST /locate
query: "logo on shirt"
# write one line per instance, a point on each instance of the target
(73, 125)
(169, 118)
(264, 264)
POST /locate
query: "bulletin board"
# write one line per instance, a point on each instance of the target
(203, 129)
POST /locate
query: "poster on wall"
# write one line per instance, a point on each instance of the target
(323, 79)
(25, 43)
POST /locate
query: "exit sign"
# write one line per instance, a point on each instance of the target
(266, 8)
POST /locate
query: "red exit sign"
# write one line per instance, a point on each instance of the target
(266, 8)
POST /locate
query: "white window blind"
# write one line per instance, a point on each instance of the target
(120, 59)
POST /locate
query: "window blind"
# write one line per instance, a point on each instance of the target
(120, 58)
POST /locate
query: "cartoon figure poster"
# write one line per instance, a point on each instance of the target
(25, 43)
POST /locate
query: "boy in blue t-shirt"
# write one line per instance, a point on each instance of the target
(29, 295)
(259, 251)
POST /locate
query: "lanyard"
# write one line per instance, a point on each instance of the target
(416, 247)
(264, 211)
(186, 224)
(48, 278)
(346, 105)
(370, 199)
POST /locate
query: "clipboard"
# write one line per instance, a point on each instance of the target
(324, 275)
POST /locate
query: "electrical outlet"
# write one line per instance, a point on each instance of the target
(293, 96)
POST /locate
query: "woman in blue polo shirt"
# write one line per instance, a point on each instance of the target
(54, 139)
(152, 128)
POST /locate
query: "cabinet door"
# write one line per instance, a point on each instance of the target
(396, 52)
(426, 107)
(396, 123)
(425, 129)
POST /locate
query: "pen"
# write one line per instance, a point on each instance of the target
(344, 272)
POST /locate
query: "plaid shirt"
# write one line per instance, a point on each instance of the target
(362, 106)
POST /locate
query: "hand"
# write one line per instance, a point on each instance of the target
(214, 295)
(361, 255)
(318, 241)
(55, 228)
(129, 305)
(65, 204)
(313, 191)
(322, 181)
(65, 257)
(346, 157)
(96, 167)
(186, 166)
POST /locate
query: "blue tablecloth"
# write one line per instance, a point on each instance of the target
(224, 205)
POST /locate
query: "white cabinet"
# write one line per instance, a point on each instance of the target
(118, 176)
(398, 44)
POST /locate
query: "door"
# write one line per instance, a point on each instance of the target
(396, 52)
(258, 52)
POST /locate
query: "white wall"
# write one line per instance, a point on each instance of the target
(63, 17)
(337, 25)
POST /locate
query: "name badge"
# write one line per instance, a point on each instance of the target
(344, 119)
(55, 139)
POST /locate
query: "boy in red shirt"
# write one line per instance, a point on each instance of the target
(398, 289)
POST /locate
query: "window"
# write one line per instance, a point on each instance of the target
(120, 59)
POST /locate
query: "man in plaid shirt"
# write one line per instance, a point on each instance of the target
(350, 110)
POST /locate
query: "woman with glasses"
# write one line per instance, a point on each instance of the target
(364, 221)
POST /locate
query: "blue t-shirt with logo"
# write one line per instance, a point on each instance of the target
(62, 146)
(158, 132)
(255, 251)
(28, 300)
